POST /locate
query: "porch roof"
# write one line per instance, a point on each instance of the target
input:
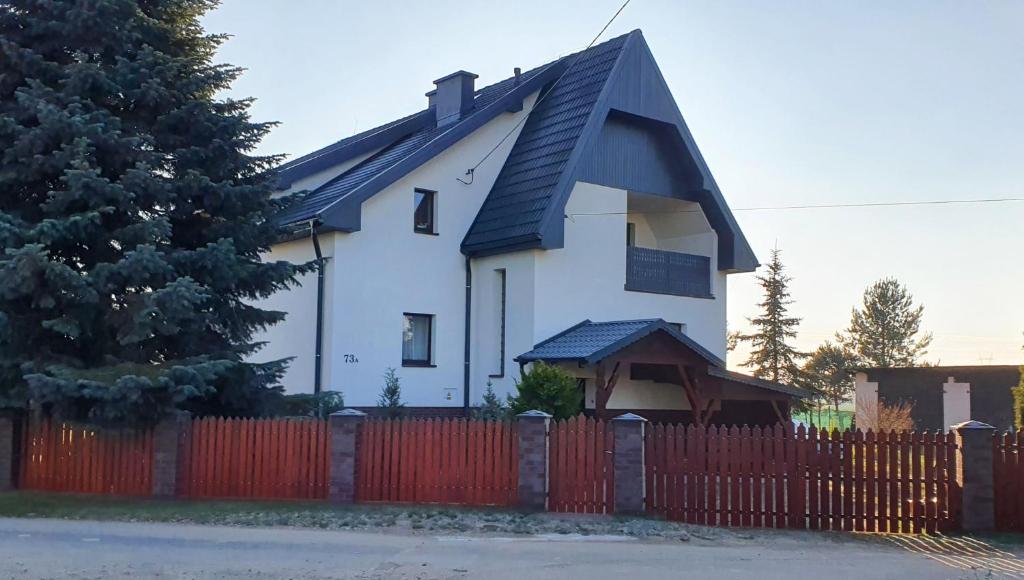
(589, 342)
(756, 382)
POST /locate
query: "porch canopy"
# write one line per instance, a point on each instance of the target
(655, 350)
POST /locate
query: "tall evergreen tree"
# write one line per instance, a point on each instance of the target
(772, 357)
(886, 330)
(133, 212)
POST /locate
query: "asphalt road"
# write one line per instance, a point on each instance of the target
(37, 549)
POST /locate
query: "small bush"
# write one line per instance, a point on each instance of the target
(885, 417)
(547, 388)
(492, 408)
(309, 405)
(391, 396)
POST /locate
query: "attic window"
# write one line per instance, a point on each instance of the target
(424, 212)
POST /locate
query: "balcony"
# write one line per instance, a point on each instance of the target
(665, 272)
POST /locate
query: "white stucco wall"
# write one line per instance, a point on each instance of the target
(956, 402)
(386, 269)
(296, 335)
(865, 399)
(519, 319)
(586, 278)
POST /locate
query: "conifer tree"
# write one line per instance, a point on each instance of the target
(133, 212)
(772, 356)
(886, 330)
(390, 399)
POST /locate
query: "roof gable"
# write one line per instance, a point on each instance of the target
(615, 103)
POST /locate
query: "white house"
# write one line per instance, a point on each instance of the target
(458, 240)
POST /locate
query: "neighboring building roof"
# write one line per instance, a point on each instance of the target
(561, 142)
(589, 342)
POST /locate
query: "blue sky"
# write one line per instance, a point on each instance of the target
(790, 102)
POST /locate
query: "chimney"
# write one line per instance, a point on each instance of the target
(452, 98)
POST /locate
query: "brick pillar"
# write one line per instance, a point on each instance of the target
(7, 443)
(628, 431)
(974, 475)
(345, 428)
(167, 442)
(533, 459)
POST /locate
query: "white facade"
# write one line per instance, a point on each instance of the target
(377, 274)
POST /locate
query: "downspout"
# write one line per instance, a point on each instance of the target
(465, 369)
(318, 356)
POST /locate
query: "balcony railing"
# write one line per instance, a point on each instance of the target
(665, 272)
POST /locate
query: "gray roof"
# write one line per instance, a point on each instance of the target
(522, 193)
(590, 342)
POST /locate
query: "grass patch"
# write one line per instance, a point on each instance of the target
(215, 512)
(324, 515)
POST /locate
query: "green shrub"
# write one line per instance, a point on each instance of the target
(547, 388)
(491, 408)
(391, 396)
(310, 405)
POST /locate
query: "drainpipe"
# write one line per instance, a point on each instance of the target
(317, 371)
(465, 370)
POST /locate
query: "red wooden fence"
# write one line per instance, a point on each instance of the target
(1008, 481)
(448, 461)
(256, 458)
(885, 482)
(580, 466)
(66, 458)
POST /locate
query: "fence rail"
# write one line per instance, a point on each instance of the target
(446, 461)
(255, 458)
(1008, 481)
(581, 466)
(883, 482)
(739, 477)
(67, 458)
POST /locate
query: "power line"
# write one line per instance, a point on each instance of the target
(829, 206)
(540, 99)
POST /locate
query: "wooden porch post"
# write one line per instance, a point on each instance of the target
(696, 403)
(603, 388)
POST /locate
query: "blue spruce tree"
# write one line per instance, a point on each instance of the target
(133, 212)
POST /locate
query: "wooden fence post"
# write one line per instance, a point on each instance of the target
(167, 444)
(345, 426)
(974, 475)
(533, 459)
(7, 454)
(628, 433)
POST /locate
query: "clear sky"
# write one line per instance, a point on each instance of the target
(790, 102)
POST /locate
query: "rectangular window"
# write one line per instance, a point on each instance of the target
(499, 320)
(424, 212)
(630, 234)
(417, 340)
